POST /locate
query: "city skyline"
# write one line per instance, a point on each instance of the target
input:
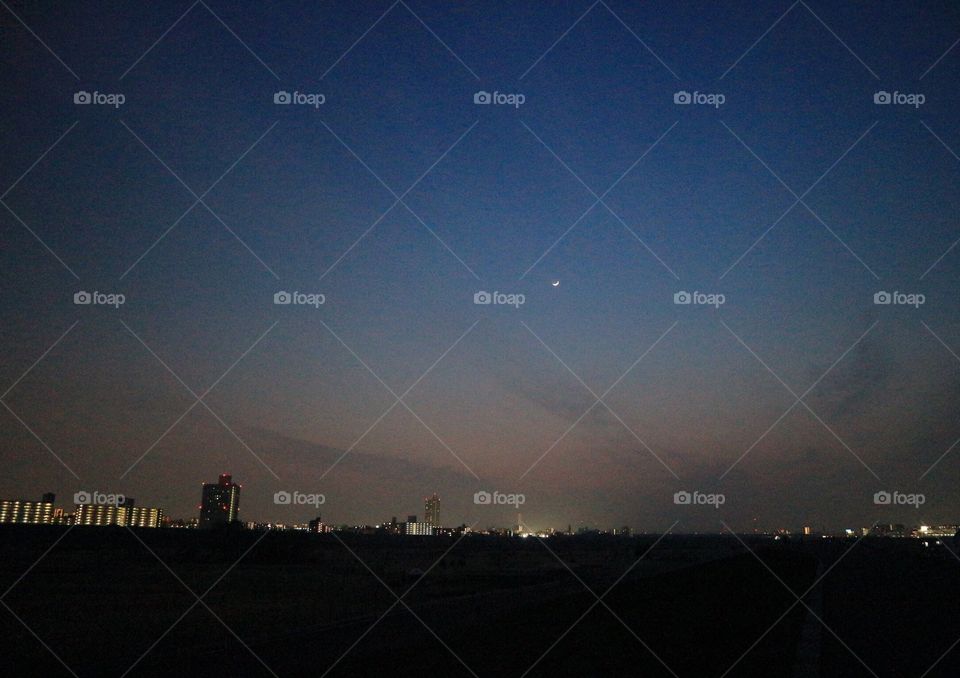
(219, 507)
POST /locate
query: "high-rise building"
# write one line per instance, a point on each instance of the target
(31, 512)
(431, 510)
(220, 502)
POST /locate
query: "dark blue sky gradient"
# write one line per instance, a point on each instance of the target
(498, 199)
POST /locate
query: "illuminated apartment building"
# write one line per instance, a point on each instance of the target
(143, 516)
(124, 516)
(28, 512)
(412, 527)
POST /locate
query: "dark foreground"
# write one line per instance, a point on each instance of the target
(110, 602)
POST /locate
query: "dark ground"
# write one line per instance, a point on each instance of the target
(296, 605)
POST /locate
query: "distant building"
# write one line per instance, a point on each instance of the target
(95, 514)
(28, 512)
(431, 510)
(102, 514)
(936, 530)
(125, 515)
(393, 527)
(143, 516)
(317, 526)
(450, 531)
(412, 527)
(219, 502)
(178, 523)
(897, 530)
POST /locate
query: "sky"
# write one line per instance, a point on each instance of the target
(591, 192)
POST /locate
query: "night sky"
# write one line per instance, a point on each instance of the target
(398, 198)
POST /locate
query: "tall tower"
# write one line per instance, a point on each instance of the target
(220, 502)
(431, 510)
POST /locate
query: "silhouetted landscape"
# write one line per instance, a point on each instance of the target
(503, 606)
